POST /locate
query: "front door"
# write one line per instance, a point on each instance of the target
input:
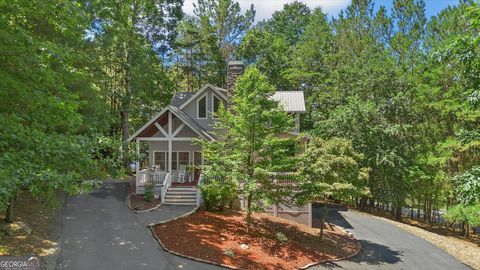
(197, 164)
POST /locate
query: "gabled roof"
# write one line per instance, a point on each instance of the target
(191, 123)
(219, 91)
(292, 101)
(181, 97)
(182, 116)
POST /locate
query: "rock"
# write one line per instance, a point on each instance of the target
(222, 238)
(244, 246)
(229, 252)
(281, 237)
(140, 207)
(17, 228)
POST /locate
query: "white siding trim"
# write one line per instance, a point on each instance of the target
(161, 129)
(178, 130)
(200, 92)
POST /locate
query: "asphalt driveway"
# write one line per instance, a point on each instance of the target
(385, 246)
(100, 232)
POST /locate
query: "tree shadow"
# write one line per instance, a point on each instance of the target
(334, 215)
(187, 235)
(371, 254)
(118, 190)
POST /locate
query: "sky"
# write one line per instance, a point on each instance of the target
(265, 8)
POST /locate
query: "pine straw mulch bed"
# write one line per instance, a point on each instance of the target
(44, 220)
(137, 202)
(207, 235)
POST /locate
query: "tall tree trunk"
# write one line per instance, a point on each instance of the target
(398, 212)
(249, 212)
(9, 215)
(126, 109)
(324, 217)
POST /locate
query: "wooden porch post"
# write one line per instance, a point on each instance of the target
(137, 163)
(169, 141)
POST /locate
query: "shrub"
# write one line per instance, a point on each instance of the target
(456, 214)
(149, 192)
(218, 194)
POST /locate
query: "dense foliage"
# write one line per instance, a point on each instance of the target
(77, 77)
(402, 88)
(250, 128)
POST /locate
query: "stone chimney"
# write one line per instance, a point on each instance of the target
(234, 70)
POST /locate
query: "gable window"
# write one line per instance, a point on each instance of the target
(202, 107)
(216, 106)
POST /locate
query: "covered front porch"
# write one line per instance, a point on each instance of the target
(167, 155)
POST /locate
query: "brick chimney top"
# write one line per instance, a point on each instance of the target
(234, 70)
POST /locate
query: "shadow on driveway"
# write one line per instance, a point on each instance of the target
(117, 190)
(334, 215)
(384, 246)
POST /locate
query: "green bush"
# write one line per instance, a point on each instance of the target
(472, 213)
(456, 214)
(149, 192)
(465, 215)
(219, 194)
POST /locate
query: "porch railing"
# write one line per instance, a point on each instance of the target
(166, 184)
(284, 178)
(148, 176)
(198, 193)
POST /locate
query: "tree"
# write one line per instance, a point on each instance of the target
(48, 133)
(330, 169)
(249, 129)
(290, 22)
(127, 38)
(209, 39)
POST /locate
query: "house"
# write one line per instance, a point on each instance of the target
(174, 160)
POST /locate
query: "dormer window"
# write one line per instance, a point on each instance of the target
(216, 106)
(202, 107)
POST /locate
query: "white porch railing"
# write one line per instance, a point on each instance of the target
(148, 176)
(166, 184)
(198, 193)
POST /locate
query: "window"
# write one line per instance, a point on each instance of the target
(183, 158)
(160, 159)
(216, 105)
(178, 158)
(202, 107)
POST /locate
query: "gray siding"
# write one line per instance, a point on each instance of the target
(191, 110)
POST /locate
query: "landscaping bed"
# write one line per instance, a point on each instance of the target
(137, 202)
(40, 235)
(221, 238)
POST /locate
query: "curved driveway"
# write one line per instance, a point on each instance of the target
(385, 246)
(100, 232)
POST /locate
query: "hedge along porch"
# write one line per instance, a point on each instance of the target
(177, 159)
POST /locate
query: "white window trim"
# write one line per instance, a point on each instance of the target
(190, 156)
(206, 106)
(214, 96)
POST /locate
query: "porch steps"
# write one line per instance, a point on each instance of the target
(181, 196)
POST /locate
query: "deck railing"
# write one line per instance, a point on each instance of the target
(280, 178)
(148, 176)
(166, 184)
(284, 178)
(198, 193)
